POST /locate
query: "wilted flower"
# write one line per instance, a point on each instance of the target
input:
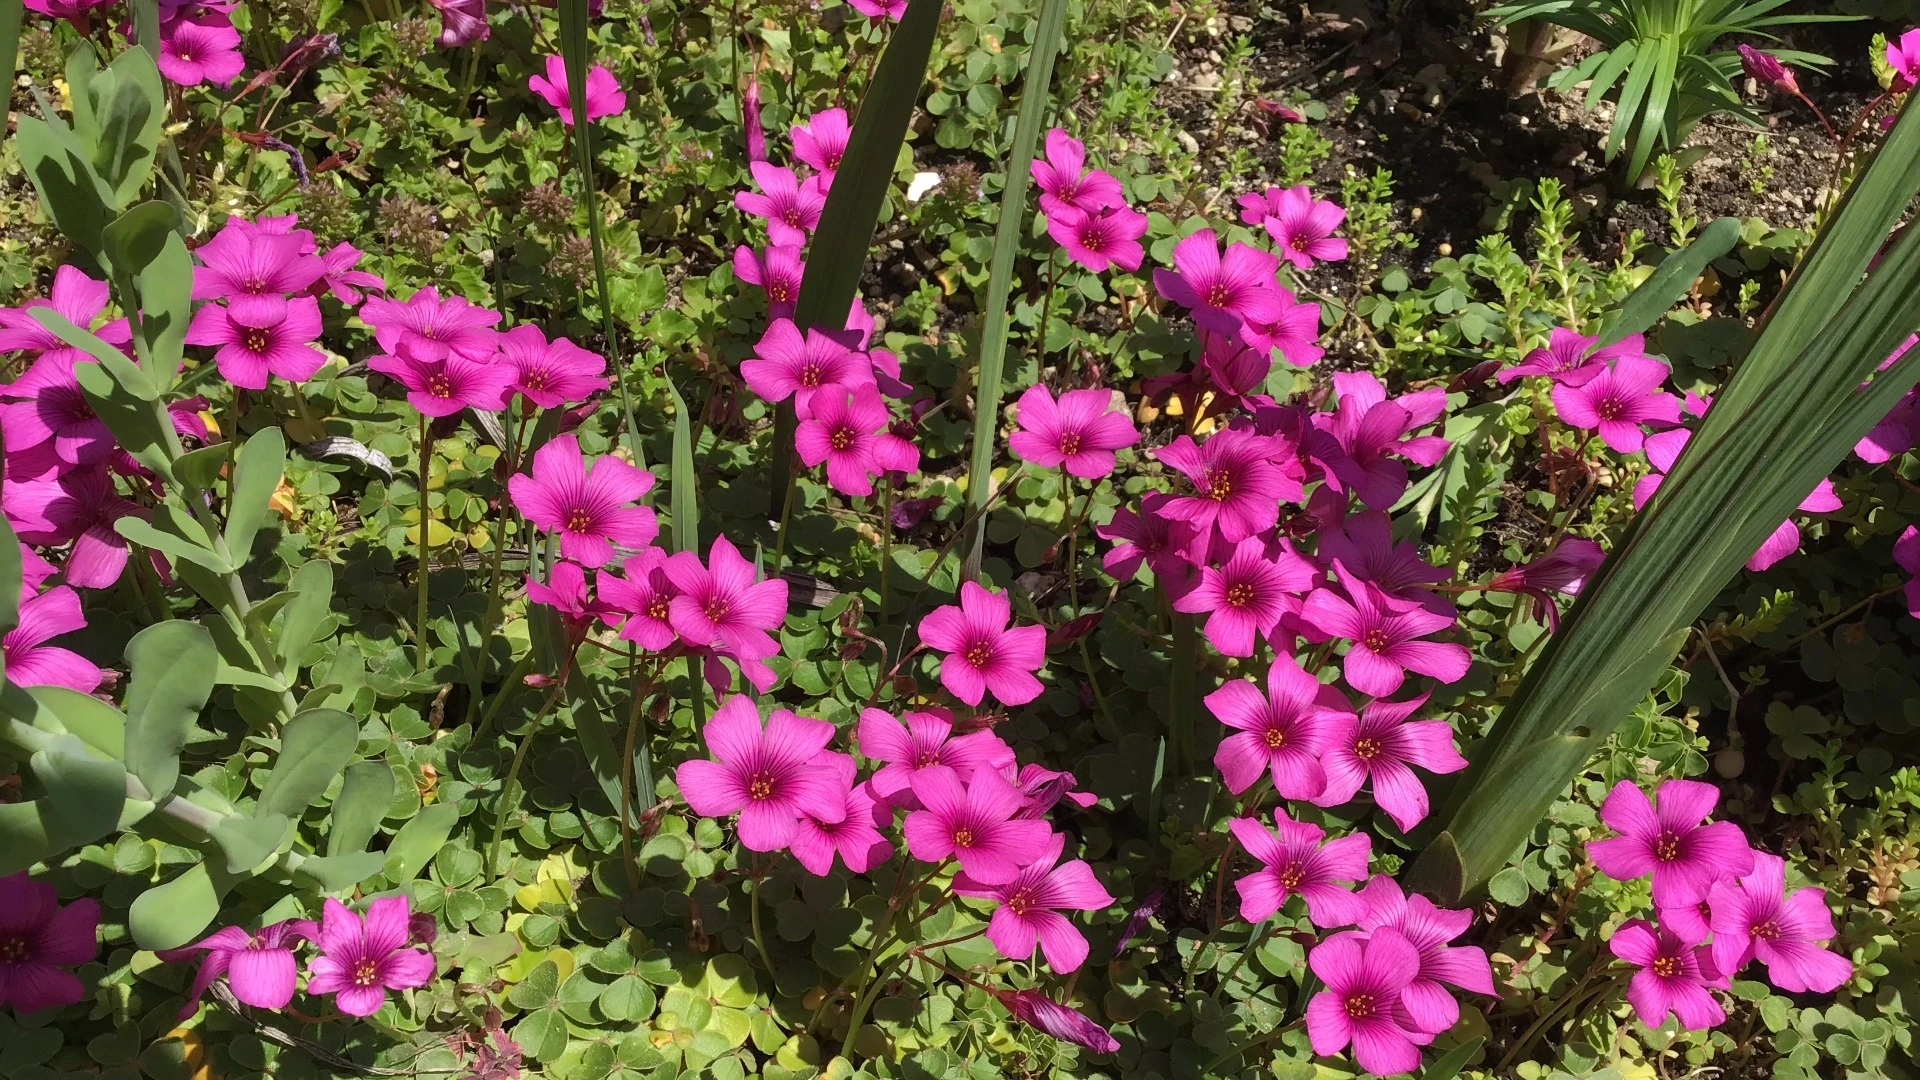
(1766, 68)
(1034, 1008)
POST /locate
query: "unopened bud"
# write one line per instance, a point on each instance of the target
(539, 681)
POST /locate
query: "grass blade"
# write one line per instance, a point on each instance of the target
(1036, 93)
(1671, 281)
(684, 487)
(11, 12)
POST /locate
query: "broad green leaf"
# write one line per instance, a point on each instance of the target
(124, 371)
(311, 592)
(10, 15)
(247, 842)
(131, 108)
(1448, 1065)
(25, 838)
(419, 840)
(315, 746)
(338, 873)
(84, 793)
(202, 468)
(138, 426)
(136, 238)
(145, 534)
(173, 914)
(71, 191)
(172, 666)
(166, 308)
(1036, 91)
(146, 24)
(256, 476)
(1670, 282)
(94, 722)
(365, 793)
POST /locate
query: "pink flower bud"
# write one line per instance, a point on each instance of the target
(1766, 68)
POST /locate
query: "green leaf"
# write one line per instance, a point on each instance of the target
(172, 666)
(130, 105)
(84, 793)
(315, 746)
(685, 490)
(1036, 89)
(10, 15)
(72, 193)
(136, 425)
(256, 475)
(1670, 282)
(144, 533)
(419, 840)
(365, 793)
(166, 309)
(27, 836)
(92, 721)
(173, 914)
(338, 873)
(134, 239)
(201, 468)
(248, 842)
(311, 592)
(125, 372)
(1448, 1065)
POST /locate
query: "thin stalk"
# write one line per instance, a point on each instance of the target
(865, 1000)
(636, 737)
(423, 649)
(759, 941)
(786, 516)
(512, 683)
(886, 542)
(513, 771)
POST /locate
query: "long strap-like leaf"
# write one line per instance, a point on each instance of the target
(1036, 92)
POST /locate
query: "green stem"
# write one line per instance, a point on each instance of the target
(636, 736)
(1046, 306)
(865, 1000)
(759, 941)
(422, 648)
(501, 696)
(513, 771)
(786, 516)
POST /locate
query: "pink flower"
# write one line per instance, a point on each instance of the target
(787, 365)
(1380, 746)
(856, 838)
(724, 603)
(1364, 1004)
(254, 271)
(1301, 225)
(1284, 732)
(1618, 401)
(1101, 239)
(1364, 544)
(1563, 570)
(771, 776)
(1149, 536)
(204, 50)
(756, 131)
(1757, 918)
(1298, 864)
(462, 22)
(1065, 182)
(259, 966)
(588, 506)
(1035, 1009)
(645, 595)
(1028, 907)
(1663, 450)
(247, 355)
(984, 654)
(74, 11)
(890, 10)
(34, 570)
(565, 591)
(852, 434)
(1241, 478)
(81, 506)
(361, 958)
(973, 822)
(1290, 326)
(551, 374)
(1248, 594)
(45, 408)
(1689, 922)
(1894, 434)
(78, 298)
(1236, 371)
(1570, 359)
(1428, 929)
(342, 280)
(31, 661)
(1043, 787)
(778, 271)
(1674, 977)
(1355, 441)
(434, 328)
(39, 939)
(822, 141)
(1665, 838)
(1385, 634)
(1906, 555)
(1903, 56)
(444, 386)
(604, 96)
(1080, 431)
(791, 207)
(1225, 292)
(925, 741)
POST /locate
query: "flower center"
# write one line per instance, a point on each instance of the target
(1094, 236)
(365, 972)
(716, 609)
(1366, 749)
(810, 375)
(777, 292)
(761, 786)
(842, 439)
(657, 609)
(254, 286)
(1070, 443)
(1666, 847)
(1275, 738)
(439, 385)
(1359, 1006)
(1375, 640)
(963, 837)
(1609, 409)
(579, 520)
(1666, 966)
(535, 379)
(1219, 484)
(1766, 931)
(1299, 242)
(255, 339)
(13, 950)
(1293, 876)
(1240, 595)
(978, 654)
(928, 759)
(791, 216)
(1218, 295)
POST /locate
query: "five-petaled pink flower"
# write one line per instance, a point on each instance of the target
(551, 373)
(1079, 432)
(1241, 478)
(1066, 183)
(259, 966)
(44, 408)
(445, 385)
(786, 365)
(604, 96)
(822, 141)
(254, 271)
(855, 838)
(790, 206)
(1428, 929)
(641, 600)
(1296, 863)
(1385, 636)
(1617, 401)
(1148, 536)
(1365, 1003)
(432, 326)
(202, 50)
(342, 280)
(39, 940)
(246, 355)
(1665, 837)
(361, 958)
(1223, 292)
(889, 10)
(973, 822)
(589, 506)
(1248, 594)
(1364, 544)
(80, 506)
(1381, 745)
(1570, 359)
(1356, 443)
(924, 739)
(724, 603)
(1029, 908)
(1903, 56)
(1290, 326)
(852, 433)
(778, 271)
(1674, 977)
(1758, 919)
(1301, 225)
(33, 662)
(566, 592)
(771, 776)
(1283, 732)
(76, 297)
(984, 654)
(1100, 239)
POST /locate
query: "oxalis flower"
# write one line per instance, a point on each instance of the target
(778, 271)
(1563, 570)
(1034, 1008)
(920, 740)
(259, 965)
(565, 591)
(253, 271)
(1222, 292)
(434, 327)
(1066, 184)
(1248, 594)
(852, 433)
(445, 386)
(76, 297)
(45, 408)
(1364, 1004)
(204, 50)
(247, 355)
(1385, 636)
(1618, 401)
(1380, 746)
(81, 506)
(589, 506)
(1674, 977)
(1079, 432)
(604, 96)
(786, 365)
(551, 373)
(790, 206)
(644, 596)
(973, 822)
(361, 958)
(822, 141)
(1757, 918)
(40, 939)
(983, 653)
(856, 838)
(33, 662)
(1570, 359)
(1239, 480)
(1428, 929)
(770, 776)
(1029, 906)
(1283, 732)
(1292, 328)
(1354, 442)
(1296, 863)
(1665, 837)
(1101, 239)
(1364, 544)
(723, 602)
(1301, 225)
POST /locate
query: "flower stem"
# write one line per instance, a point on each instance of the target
(513, 771)
(786, 515)
(512, 683)
(886, 543)
(422, 648)
(753, 904)
(636, 738)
